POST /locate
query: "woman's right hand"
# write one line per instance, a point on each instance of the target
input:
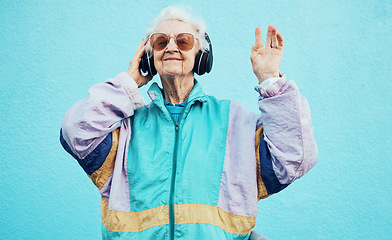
(133, 69)
(266, 59)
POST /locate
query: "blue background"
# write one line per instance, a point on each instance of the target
(338, 52)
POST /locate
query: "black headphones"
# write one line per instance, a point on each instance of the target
(203, 61)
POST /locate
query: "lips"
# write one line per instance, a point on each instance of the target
(172, 59)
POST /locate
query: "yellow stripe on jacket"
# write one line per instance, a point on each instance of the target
(101, 175)
(262, 190)
(119, 221)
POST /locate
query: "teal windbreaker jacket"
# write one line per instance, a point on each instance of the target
(200, 178)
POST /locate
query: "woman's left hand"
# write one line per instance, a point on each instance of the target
(266, 60)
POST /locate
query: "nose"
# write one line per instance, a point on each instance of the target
(171, 46)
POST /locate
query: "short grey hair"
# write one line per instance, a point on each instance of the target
(180, 14)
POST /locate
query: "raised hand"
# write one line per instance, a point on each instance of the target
(266, 59)
(133, 69)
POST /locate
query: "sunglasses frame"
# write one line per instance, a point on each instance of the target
(175, 40)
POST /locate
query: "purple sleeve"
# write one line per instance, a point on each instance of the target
(87, 123)
(288, 130)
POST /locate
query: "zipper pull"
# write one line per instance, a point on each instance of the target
(176, 126)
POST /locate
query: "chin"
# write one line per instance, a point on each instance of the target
(172, 71)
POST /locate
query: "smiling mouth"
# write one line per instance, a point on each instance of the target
(172, 59)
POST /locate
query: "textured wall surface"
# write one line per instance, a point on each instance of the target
(338, 52)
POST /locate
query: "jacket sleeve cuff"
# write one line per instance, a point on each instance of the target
(131, 89)
(271, 87)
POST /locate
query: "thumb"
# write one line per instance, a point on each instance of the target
(143, 80)
(259, 39)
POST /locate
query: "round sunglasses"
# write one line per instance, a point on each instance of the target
(184, 41)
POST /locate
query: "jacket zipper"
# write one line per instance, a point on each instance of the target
(172, 218)
(173, 180)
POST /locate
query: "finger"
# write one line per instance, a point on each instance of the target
(269, 34)
(142, 43)
(280, 41)
(274, 41)
(140, 49)
(259, 39)
(141, 52)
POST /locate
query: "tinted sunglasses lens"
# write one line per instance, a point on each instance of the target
(159, 41)
(185, 41)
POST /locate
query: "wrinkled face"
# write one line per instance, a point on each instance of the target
(171, 60)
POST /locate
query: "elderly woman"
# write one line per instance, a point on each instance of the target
(188, 166)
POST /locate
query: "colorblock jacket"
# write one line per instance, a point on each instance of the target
(200, 178)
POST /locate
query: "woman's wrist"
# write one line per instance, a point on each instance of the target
(264, 76)
(136, 80)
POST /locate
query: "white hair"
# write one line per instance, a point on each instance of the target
(180, 14)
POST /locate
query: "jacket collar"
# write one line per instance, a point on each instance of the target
(156, 94)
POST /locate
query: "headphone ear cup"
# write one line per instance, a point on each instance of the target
(208, 61)
(203, 60)
(143, 66)
(147, 64)
(197, 68)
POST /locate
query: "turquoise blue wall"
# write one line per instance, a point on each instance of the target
(338, 52)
